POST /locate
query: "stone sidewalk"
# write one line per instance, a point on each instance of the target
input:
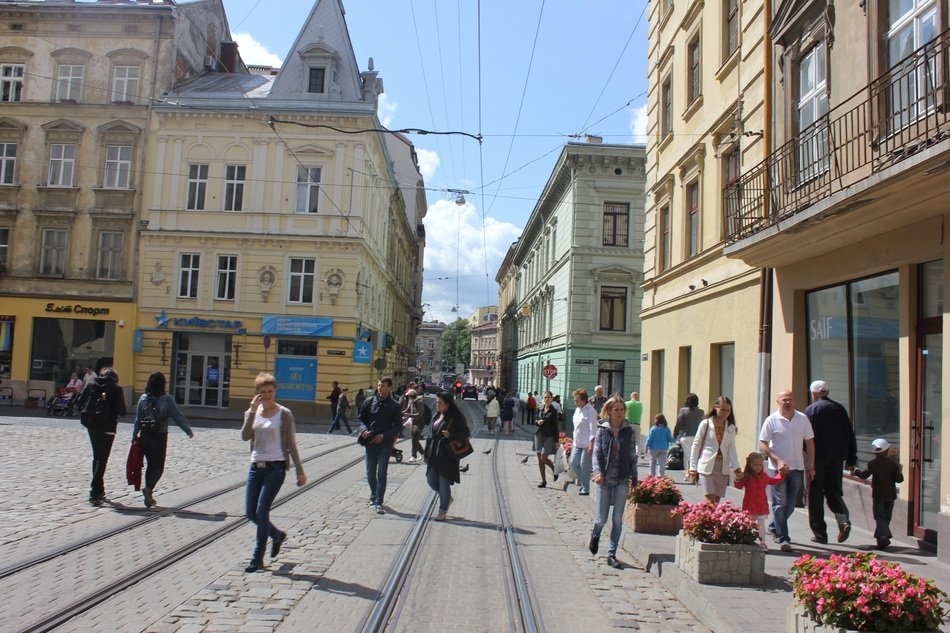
(727, 609)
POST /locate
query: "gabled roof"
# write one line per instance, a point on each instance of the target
(324, 40)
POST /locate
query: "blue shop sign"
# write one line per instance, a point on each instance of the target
(362, 352)
(296, 326)
(296, 378)
(198, 323)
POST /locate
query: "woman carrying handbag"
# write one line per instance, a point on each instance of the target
(449, 436)
(713, 455)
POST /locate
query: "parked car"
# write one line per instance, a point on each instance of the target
(469, 392)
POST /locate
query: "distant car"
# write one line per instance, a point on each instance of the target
(469, 392)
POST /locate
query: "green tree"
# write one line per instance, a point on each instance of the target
(457, 343)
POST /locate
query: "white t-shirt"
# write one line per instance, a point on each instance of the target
(267, 444)
(786, 438)
(585, 420)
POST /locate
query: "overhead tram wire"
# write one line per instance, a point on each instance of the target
(585, 127)
(481, 156)
(524, 91)
(458, 19)
(445, 101)
(422, 66)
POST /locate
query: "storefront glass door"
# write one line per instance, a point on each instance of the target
(202, 376)
(929, 429)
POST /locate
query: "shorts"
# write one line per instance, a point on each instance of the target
(544, 445)
(714, 484)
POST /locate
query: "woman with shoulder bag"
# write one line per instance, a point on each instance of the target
(270, 428)
(151, 430)
(545, 438)
(442, 468)
(713, 455)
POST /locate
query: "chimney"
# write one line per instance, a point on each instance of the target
(594, 140)
(228, 56)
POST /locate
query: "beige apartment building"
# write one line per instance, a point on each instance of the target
(506, 338)
(77, 81)
(847, 214)
(482, 362)
(707, 116)
(281, 232)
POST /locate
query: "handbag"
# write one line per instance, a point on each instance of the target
(461, 448)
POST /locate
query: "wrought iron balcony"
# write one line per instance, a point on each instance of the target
(901, 113)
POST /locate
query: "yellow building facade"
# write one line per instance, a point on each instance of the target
(707, 116)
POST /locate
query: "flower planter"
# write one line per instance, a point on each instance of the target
(649, 518)
(719, 564)
(796, 621)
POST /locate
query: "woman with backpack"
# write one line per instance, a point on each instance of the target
(151, 430)
(100, 404)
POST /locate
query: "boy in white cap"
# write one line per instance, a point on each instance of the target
(885, 473)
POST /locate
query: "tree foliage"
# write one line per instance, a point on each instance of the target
(457, 343)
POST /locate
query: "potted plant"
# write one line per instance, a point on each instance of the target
(718, 544)
(650, 506)
(859, 592)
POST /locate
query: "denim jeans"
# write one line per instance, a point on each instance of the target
(607, 495)
(658, 459)
(262, 487)
(784, 495)
(153, 447)
(580, 464)
(377, 465)
(101, 448)
(442, 485)
(340, 417)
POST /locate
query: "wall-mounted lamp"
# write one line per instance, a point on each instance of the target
(705, 283)
(236, 358)
(163, 344)
(692, 287)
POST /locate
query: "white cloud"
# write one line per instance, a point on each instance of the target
(429, 162)
(386, 110)
(638, 124)
(255, 53)
(455, 257)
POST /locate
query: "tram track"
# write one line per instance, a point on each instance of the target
(23, 565)
(112, 588)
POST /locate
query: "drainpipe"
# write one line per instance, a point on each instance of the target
(767, 274)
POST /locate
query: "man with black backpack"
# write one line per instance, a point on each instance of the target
(100, 404)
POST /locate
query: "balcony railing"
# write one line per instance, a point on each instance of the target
(902, 112)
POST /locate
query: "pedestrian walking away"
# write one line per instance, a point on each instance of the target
(334, 399)
(418, 416)
(780, 440)
(492, 411)
(687, 422)
(585, 421)
(545, 437)
(529, 412)
(885, 473)
(380, 421)
(269, 427)
(836, 449)
(754, 480)
(507, 411)
(658, 444)
(634, 416)
(713, 454)
(442, 463)
(614, 473)
(100, 404)
(150, 430)
(342, 407)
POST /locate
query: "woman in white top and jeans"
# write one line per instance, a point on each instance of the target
(713, 456)
(270, 428)
(585, 422)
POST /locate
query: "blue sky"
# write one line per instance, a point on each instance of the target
(549, 69)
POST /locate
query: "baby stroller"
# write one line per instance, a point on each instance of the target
(674, 458)
(62, 403)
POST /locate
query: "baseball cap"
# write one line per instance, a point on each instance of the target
(412, 393)
(880, 445)
(819, 386)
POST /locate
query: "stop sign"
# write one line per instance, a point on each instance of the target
(549, 371)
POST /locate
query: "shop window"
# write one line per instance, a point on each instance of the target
(11, 82)
(188, 271)
(301, 280)
(7, 324)
(613, 309)
(725, 357)
(63, 346)
(308, 189)
(616, 223)
(111, 255)
(7, 163)
(853, 345)
(118, 167)
(62, 165)
(234, 187)
(197, 186)
(53, 253)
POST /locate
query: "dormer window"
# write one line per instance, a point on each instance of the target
(317, 80)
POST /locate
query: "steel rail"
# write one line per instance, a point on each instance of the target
(93, 599)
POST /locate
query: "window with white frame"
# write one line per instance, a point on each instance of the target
(911, 25)
(234, 187)
(733, 200)
(11, 82)
(227, 277)
(692, 217)
(197, 186)
(301, 280)
(812, 108)
(188, 269)
(62, 165)
(118, 167)
(613, 309)
(666, 108)
(7, 163)
(53, 252)
(731, 12)
(308, 189)
(125, 84)
(616, 223)
(111, 247)
(694, 86)
(69, 82)
(4, 247)
(317, 80)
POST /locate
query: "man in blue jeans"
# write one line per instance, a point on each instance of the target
(781, 439)
(380, 421)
